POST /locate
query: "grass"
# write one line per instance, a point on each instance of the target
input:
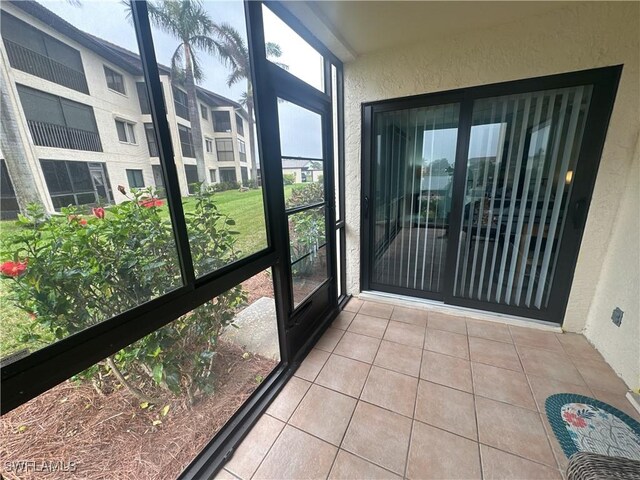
(246, 208)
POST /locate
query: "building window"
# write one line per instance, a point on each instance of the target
(158, 180)
(9, 208)
(181, 103)
(126, 132)
(186, 141)
(204, 112)
(228, 175)
(224, 147)
(191, 171)
(151, 140)
(115, 81)
(239, 125)
(57, 122)
(36, 53)
(212, 174)
(143, 98)
(245, 175)
(242, 150)
(221, 121)
(136, 179)
(76, 183)
(208, 145)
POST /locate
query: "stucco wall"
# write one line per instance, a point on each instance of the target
(619, 286)
(581, 36)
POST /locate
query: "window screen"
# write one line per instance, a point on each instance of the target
(136, 179)
(186, 141)
(221, 121)
(224, 147)
(239, 125)
(114, 80)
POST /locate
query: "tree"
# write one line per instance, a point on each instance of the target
(189, 22)
(234, 53)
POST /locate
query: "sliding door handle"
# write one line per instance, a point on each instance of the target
(578, 213)
(365, 206)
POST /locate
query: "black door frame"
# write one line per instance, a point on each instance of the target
(605, 83)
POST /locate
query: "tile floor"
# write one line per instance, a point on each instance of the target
(393, 392)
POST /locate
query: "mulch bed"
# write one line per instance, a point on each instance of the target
(110, 436)
(258, 286)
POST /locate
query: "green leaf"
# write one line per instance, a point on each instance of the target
(164, 410)
(158, 368)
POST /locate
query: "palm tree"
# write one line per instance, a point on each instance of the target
(234, 53)
(189, 22)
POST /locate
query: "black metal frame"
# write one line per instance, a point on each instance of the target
(25, 378)
(605, 83)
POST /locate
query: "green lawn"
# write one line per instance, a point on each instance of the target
(246, 208)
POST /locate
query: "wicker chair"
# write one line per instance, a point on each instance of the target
(592, 466)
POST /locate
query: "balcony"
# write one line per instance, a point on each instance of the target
(41, 66)
(58, 136)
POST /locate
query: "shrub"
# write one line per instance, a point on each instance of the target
(306, 228)
(224, 186)
(251, 183)
(289, 178)
(80, 270)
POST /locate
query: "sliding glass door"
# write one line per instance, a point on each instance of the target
(478, 197)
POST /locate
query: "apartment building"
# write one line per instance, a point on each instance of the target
(81, 111)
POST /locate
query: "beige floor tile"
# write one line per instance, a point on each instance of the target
(513, 429)
(297, 455)
(324, 414)
(353, 305)
(446, 408)
(376, 309)
(343, 375)
(575, 345)
(399, 358)
(349, 467)
(446, 370)
(489, 330)
(600, 376)
(543, 387)
(502, 384)
(312, 364)
(499, 465)
(330, 339)
(288, 399)
(368, 325)
(404, 333)
(535, 338)
(558, 453)
(545, 363)
(436, 454)
(343, 320)
(358, 347)
(409, 315)
(380, 436)
(254, 447)
(449, 323)
(498, 354)
(391, 390)
(449, 343)
(225, 475)
(619, 401)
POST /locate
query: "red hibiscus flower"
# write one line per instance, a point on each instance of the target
(574, 419)
(151, 202)
(13, 269)
(98, 212)
(82, 221)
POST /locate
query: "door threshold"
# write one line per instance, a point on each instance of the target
(473, 313)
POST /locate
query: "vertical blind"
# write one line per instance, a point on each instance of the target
(522, 154)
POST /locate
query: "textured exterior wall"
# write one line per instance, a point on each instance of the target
(619, 285)
(581, 36)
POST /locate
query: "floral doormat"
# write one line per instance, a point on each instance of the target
(584, 424)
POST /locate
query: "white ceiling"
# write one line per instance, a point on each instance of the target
(352, 28)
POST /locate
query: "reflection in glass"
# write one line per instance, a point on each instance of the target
(148, 410)
(308, 248)
(414, 154)
(522, 149)
(295, 54)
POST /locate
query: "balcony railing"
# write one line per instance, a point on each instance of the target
(58, 136)
(41, 66)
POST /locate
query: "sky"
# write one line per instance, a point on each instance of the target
(107, 19)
